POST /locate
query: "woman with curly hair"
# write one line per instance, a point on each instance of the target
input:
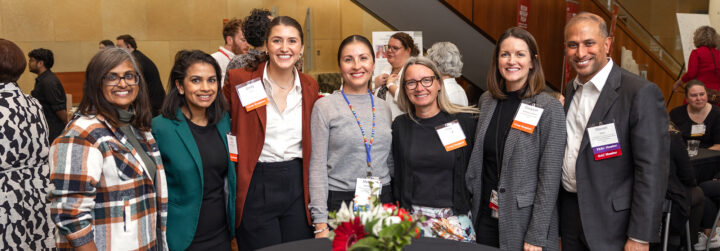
(703, 62)
(255, 28)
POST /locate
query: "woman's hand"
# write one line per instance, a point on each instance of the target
(530, 247)
(381, 80)
(325, 230)
(677, 84)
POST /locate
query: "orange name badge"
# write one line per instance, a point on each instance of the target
(527, 118)
(252, 94)
(232, 147)
(451, 135)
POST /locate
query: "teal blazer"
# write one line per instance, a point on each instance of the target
(183, 168)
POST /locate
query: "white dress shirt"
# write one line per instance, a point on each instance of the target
(283, 135)
(578, 114)
(455, 92)
(223, 56)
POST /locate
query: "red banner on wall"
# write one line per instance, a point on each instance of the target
(523, 12)
(571, 9)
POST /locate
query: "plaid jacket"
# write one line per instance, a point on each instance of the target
(102, 191)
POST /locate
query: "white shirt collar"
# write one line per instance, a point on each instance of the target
(226, 51)
(599, 79)
(267, 80)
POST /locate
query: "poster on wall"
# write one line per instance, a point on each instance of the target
(687, 24)
(380, 41)
(523, 12)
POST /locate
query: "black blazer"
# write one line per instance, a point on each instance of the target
(402, 180)
(622, 197)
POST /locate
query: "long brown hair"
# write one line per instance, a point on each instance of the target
(93, 101)
(536, 79)
(281, 20)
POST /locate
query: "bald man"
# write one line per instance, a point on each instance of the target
(616, 158)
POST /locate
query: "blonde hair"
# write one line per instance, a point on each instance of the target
(442, 100)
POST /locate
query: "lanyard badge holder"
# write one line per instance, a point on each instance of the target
(451, 135)
(252, 94)
(368, 187)
(232, 147)
(697, 130)
(604, 141)
(527, 117)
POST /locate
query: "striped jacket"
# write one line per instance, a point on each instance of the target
(102, 190)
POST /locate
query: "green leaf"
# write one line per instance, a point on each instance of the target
(368, 243)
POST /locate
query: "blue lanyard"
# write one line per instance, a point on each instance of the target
(368, 144)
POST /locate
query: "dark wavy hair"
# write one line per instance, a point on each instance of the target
(281, 20)
(93, 101)
(12, 61)
(255, 27)
(129, 40)
(174, 100)
(44, 55)
(407, 42)
(705, 36)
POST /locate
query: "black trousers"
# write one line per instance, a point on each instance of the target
(712, 198)
(274, 210)
(336, 198)
(571, 232)
(487, 230)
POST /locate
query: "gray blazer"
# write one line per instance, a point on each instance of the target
(622, 197)
(530, 177)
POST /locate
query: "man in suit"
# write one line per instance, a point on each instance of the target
(615, 165)
(149, 71)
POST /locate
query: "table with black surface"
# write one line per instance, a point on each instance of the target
(422, 244)
(706, 164)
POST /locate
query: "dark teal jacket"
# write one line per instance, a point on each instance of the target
(183, 168)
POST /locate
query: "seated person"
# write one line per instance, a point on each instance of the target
(698, 119)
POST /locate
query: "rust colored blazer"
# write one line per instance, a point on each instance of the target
(249, 128)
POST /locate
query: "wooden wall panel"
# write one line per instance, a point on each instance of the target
(546, 22)
(465, 7)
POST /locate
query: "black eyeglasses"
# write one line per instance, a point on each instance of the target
(393, 48)
(113, 79)
(426, 82)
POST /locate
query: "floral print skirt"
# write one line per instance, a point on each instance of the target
(444, 223)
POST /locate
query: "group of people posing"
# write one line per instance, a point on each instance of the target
(261, 158)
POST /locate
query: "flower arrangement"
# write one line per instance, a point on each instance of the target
(377, 227)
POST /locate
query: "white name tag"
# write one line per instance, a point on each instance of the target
(451, 135)
(365, 188)
(527, 118)
(252, 94)
(604, 141)
(697, 130)
(232, 147)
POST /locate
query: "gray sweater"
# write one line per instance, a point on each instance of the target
(338, 156)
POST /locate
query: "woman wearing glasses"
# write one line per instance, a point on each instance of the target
(109, 183)
(191, 133)
(400, 47)
(350, 136)
(516, 164)
(431, 147)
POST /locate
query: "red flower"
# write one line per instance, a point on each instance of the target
(404, 215)
(389, 206)
(347, 234)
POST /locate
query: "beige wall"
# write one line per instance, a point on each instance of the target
(72, 29)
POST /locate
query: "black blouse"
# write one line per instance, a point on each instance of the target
(682, 120)
(432, 166)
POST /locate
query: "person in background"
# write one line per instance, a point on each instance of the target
(255, 29)
(400, 47)
(150, 73)
(24, 170)
(688, 199)
(514, 172)
(49, 91)
(448, 59)
(107, 173)
(105, 44)
(273, 141)
(342, 154)
(698, 119)
(704, 59)
(430, 162)
(191, 134)
(614, 187)
(235, 44)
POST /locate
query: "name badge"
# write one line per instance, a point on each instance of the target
(252, 94)
(527, 118)
(604, 141)
(451, 135)
(697, 130)
(365, 188)
(493, 204)
(232, 147)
